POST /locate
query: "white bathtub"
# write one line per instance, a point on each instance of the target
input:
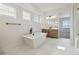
(35, 40)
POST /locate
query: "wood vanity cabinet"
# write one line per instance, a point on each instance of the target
(52, 33)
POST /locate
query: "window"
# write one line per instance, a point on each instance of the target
(7, 10)
(26, 15)
(36, 18)
(66, 22)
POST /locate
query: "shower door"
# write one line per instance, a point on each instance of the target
(64, 27)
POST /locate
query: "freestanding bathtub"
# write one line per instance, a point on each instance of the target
(35, 40)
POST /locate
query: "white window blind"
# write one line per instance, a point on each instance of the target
(36, 18)
(26, 15)
(7, 10)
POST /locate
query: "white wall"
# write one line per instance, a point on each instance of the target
(11, 35)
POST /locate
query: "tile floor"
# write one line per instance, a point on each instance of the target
(50, 47)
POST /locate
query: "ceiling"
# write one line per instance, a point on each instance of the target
(44, 7)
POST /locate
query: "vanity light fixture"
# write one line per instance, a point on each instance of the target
(53, 17)
(50, 17)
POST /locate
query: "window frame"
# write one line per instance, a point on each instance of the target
(7, 9)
